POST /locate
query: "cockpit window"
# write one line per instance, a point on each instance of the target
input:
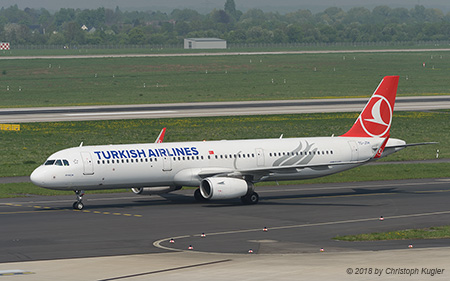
(58, 162)
(49, 162)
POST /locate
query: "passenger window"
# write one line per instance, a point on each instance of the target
(58, 163)
(49, 162)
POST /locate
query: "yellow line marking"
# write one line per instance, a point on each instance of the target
(49, 209)
(29, 212)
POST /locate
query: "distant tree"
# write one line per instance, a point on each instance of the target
(230, 8)
(136, 36)
(73, 34)
(186, 15)
(220, 16)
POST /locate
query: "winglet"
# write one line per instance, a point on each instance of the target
(376, 118)
(160, 138)
(381, 149)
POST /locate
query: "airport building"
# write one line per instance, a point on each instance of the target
(205, 43)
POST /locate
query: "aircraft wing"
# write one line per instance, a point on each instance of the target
(261, 172)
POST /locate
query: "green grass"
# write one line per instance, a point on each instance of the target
(24, 189)
(22, 151)
(51, 82)
(438, 232)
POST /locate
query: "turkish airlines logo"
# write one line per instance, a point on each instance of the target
(377, 116)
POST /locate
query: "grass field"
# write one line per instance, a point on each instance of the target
(51, 82)
(438, 232)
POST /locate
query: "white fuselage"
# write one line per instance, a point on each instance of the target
(187, 163)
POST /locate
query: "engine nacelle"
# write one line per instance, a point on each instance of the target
(154, 190)
(223, 188)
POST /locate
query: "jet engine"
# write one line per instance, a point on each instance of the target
(224, 188)
(154, 190)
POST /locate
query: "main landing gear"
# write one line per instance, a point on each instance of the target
(78, 205)
(250, 199)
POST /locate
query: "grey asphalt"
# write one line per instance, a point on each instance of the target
(299, 219)
(127, 237)
(79, 113)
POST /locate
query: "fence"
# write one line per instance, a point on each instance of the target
(240, 45)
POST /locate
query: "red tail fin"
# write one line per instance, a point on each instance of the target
(376, 117)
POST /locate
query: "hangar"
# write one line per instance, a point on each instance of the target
(205, 43)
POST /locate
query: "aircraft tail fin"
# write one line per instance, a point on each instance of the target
(376, 117)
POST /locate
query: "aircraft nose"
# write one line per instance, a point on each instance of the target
(37, 177)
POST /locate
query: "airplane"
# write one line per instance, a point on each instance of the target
(224, 169)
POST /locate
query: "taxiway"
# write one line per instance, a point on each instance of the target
(46, 239)
(83, 113)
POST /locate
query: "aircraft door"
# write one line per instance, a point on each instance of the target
(88, 165)
(167, 164)
(260, 157)
(354, 150)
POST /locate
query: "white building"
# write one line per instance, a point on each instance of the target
(205, 43)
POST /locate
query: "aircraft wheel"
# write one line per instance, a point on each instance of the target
(251, 199)
(78, 205)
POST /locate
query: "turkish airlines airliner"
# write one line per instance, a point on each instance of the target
(224, 169)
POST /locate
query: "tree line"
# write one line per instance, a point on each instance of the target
(107, 26)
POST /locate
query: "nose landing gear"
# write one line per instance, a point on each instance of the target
(78, 205)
